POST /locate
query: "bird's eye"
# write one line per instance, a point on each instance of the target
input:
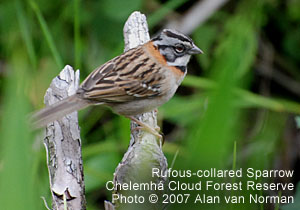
(179, 48)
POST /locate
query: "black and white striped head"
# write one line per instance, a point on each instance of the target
(175, 47)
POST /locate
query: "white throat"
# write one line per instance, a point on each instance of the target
(180, 61)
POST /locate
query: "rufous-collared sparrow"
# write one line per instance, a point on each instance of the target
(139, 80)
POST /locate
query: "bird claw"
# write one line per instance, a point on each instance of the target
(142, 126)
(147, 129)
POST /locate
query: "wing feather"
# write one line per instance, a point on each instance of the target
(127, 77)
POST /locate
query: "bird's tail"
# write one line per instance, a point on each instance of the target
(57, 110)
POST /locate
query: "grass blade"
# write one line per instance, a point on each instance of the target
(249, 98)
(47, 34)
(23, 24)
(77, 42)
(17, 189)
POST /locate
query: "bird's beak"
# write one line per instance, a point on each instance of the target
(195, 50)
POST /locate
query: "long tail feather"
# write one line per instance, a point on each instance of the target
(57, 111)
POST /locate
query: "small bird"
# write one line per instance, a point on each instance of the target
(137, 81)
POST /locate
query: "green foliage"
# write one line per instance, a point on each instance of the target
(26, 35)
(122, 9)
(164, 10)
(46, 33)
(18, 189)
(77, 42)
(232, 59)
(246, 98)
(224, 101)
(98, 169)
(206, 35)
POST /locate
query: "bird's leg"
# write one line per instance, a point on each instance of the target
(157, 128)
(146, 127)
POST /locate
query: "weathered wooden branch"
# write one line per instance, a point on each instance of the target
(145, 150)
(63, 146)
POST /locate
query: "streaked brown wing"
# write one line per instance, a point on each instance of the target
(127, 77)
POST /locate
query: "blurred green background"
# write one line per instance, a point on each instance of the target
(237, 107)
